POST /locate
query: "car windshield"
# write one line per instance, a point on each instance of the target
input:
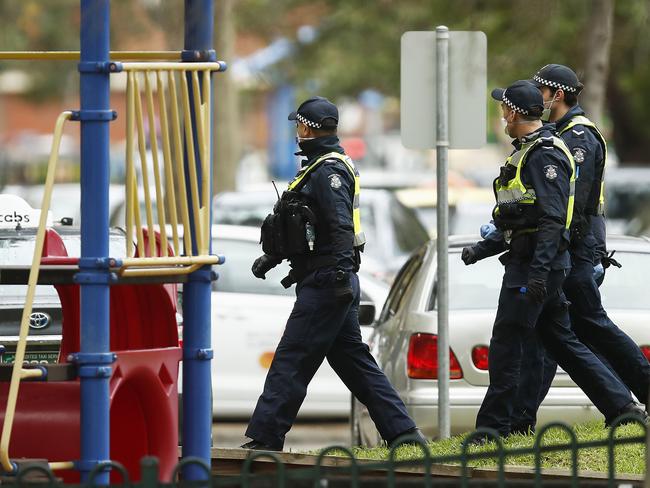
(473, 287)
(477, 286)
(235, 275)
(409, 231)
(18, 250)
(626, 288)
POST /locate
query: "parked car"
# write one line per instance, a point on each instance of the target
(392, 230)
(248, 318)
(404, 340)
(66, 198)
(469, 207)
(17, 249)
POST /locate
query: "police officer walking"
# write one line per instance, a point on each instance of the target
(316, 225)
(560, 88)
(534, 207)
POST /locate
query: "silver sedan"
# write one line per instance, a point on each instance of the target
(404, 341)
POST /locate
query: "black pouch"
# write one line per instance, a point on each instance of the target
(296, 241)
(272, 238)
(506, 173)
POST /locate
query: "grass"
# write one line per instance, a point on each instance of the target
(629, 458)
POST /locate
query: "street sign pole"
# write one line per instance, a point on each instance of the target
(442, 244)
(446, 73)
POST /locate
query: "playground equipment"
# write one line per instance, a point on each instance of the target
(113, 395)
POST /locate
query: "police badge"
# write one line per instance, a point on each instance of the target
(579, 155)
(550, 171)
(335, 181)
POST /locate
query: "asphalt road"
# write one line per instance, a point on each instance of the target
(304, 436)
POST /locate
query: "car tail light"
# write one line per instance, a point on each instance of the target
(480, 357)
(422, 358)
(646, 352)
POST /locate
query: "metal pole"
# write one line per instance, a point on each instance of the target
(442, 245)
(197, 353)
(94, 359)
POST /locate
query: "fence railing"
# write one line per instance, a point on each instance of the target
(426, 471)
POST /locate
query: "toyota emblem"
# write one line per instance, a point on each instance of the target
(39, 320)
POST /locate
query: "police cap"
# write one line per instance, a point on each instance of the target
(522, 96)
(558, 76)
(317, 112)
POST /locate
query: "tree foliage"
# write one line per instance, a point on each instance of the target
(358, 43)
(358, 47)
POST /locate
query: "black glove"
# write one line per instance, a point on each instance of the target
(608, 261)
(468, 255)
(536, 290)
(264, 264)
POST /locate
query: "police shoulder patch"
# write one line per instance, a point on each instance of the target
(579, 155)
(335, 181)
(550, 172)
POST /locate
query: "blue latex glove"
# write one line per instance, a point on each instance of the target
(599, 271)
(490, 232)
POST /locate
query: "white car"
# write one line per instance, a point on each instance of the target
(404, 341)
(248, 318)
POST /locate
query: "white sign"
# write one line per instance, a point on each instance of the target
(467, 104)
(15, 211)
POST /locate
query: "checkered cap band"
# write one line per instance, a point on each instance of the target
(308, 122)
(512, 105)
(554, 84)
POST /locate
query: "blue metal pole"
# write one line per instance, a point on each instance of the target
(197, 353)
(94, 359)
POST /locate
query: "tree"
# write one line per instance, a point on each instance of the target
(227, 147)
(597, 58)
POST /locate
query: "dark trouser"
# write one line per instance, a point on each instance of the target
(516, 322)
(595, 329)
(324, 323)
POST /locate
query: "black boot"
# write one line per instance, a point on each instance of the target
(631, 408)
(260, 446)
(414, 432)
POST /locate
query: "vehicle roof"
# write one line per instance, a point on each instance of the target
(62, 230)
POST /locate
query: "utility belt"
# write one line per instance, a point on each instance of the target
(291, 229)
(302, 266)
(523, 243)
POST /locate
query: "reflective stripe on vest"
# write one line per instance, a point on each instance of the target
(516, 192)
(582, 120)
(359, 236)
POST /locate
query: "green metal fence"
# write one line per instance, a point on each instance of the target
(425, 472)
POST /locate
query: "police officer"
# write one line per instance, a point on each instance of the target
(560, 88)
(316, 225)
(533, 212)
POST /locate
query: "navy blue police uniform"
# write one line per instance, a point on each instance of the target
(324, 321)
(589, 319)
(532, 305)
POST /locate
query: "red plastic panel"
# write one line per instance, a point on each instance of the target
(143, 386)
(144, 415)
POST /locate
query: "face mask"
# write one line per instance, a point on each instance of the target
(505, 122)
(546, 114)
(303, 139)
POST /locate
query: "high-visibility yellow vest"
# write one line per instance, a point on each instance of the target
(515, 192)
(582, 120)
(359, 236)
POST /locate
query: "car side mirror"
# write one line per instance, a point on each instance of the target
(367, 313)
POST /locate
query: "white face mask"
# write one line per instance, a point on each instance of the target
(303, 139)
(546, 114)
(504, 122)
